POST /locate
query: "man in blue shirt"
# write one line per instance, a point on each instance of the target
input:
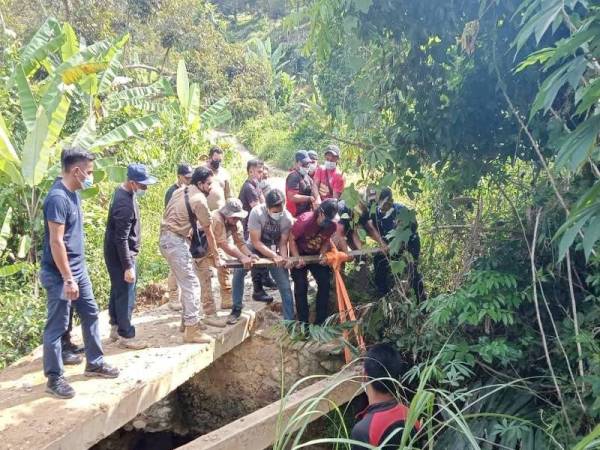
(64, 274)
(389, 216)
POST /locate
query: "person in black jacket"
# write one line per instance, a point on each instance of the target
(121, 246)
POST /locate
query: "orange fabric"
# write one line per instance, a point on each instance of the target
(335, 259)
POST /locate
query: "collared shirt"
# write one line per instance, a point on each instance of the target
(330, 182)
(378, 421)
(122, 237)
(220, 190)
(222, 231)
(176, 218)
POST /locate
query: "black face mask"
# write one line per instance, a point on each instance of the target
(326, 223)
(215, 163)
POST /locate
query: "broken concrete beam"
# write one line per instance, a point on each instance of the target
(258, 430)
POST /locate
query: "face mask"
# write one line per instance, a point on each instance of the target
(262, 184)
(140, 193)
(326, 223)
(87, 182)
(215, 163)
(302, 171)
(312, 168)
(276, 215)
(330, 165)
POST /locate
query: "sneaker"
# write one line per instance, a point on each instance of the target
(234, 317)
(193, 335)
(262, 296)
(114, 334)
(102, 371)
(132, 343)
(71, 359)
(58, 387)
(215, 321)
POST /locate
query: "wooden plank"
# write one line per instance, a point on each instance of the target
(258, 430)
(29, 418)
(266, 262)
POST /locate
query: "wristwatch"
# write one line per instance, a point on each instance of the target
(69, 281)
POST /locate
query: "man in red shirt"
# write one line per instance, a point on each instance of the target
(329, 181)
(310, 235)
(299, 190)
(385, 414)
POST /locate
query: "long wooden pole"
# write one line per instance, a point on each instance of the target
(265, 262)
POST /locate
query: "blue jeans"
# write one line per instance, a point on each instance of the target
(122, 299)
(57, 321)
(280, 275)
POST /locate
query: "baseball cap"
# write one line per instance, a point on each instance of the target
(312, 155)
(330, 208)
(139, 173)
(234, 208)
(333, 149)
(184, 170)
(302, 156)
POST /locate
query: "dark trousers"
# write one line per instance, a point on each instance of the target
(122, 299)
(322, 275)
(259, 276)
(57, 321)
(384, 279)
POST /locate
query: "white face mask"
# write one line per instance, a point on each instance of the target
(140, 193)
(276, 215)
(312, 168)
(302, 171)
(330, 165)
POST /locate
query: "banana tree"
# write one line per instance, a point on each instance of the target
(73, 70)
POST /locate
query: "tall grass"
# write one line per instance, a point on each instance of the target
(448, 420)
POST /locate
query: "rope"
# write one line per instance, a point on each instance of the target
(335, 259)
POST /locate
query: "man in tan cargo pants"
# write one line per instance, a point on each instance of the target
(226, 224)
(175, 230)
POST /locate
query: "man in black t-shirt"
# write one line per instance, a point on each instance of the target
(251, 195)
(299, 186)
(184, 177)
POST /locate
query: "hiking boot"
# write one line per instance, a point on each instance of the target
(101, 371)
(58, 387)
(234, 317)
(261, 296)
(193, 335)
(70, 346)
(114, 334)
(132, 343)
(71, 359)
(182, 326)
(215, 321)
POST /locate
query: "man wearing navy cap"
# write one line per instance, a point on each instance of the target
(299, 186)
(121, 246)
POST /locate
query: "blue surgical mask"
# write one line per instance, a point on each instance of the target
(87, 182)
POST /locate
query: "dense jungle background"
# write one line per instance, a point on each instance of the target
(482, 115)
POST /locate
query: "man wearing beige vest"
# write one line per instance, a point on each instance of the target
(186, 210)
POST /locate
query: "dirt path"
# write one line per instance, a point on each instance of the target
(277, 176)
